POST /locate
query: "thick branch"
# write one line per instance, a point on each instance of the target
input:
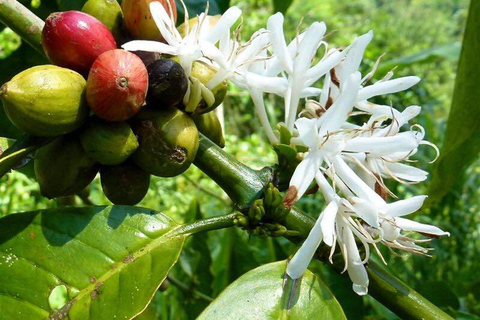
(242, 184)
(23, 22)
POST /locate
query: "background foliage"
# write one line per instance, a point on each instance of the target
(422, 38)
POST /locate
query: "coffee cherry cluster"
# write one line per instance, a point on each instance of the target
(108, 110)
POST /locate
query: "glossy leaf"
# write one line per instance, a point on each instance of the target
(195, 7)
(341, 286)
(440, 293)
(195, 263)
(65, 5)
(230, 260)
(462, 138)
(281, 5)
(449, 52)
(263, 293)
(110, 259)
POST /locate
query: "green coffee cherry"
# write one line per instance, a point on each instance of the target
(109, 143)
(210, 126)
(109, 13)
(125, 184)
(168, 141)
(63, 168)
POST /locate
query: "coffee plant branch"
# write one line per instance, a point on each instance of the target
(242, 184)
(23, 22)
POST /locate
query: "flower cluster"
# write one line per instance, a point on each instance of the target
(352, 144)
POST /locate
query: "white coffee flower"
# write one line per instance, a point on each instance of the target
(349, 162)
(199, 40)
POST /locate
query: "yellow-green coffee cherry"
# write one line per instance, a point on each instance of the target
(46, 100)
(168, 141)
(109, 13)
(63, 168)
(110, 143)
(210, 20)
(210, 126)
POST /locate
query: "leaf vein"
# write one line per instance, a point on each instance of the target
(72, 238)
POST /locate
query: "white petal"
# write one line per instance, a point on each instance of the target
(389, 231)
(366, 211)
(307, 48)
(226, 21)
(328, 222)
(378, 146)
(300, 261)
(354, 183)
(164, 23)
(356, 269)
(212, 52)
(276, 85)
(400, 119)
(305, 172)
(324, 66)
(225, 44)
(218, 78)
(257, 98)
(275, 26)
(308, 132)
(409, 225)
(404, 207)
(386, 87)
(310, 92)
(151, 46)
(325, 90)
(274, 65)
(325, 187)
(354, 56)
(258, 42)
(406, 172)
(337, 114)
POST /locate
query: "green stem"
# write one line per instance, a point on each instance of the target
(23, 22)
(209, 224)
(18, 151)
(400, 298)
(242, 184)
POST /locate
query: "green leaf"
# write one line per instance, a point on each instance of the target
(263, 293)
(196, 262)
(341, 286)
(65, 5)
(462, 137)
(281, 5)
(449, 51)
(440, 293)
(195, 7)
(110, 259)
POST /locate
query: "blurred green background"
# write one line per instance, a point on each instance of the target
(419, 37)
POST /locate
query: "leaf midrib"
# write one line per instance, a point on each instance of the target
(117, 269)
